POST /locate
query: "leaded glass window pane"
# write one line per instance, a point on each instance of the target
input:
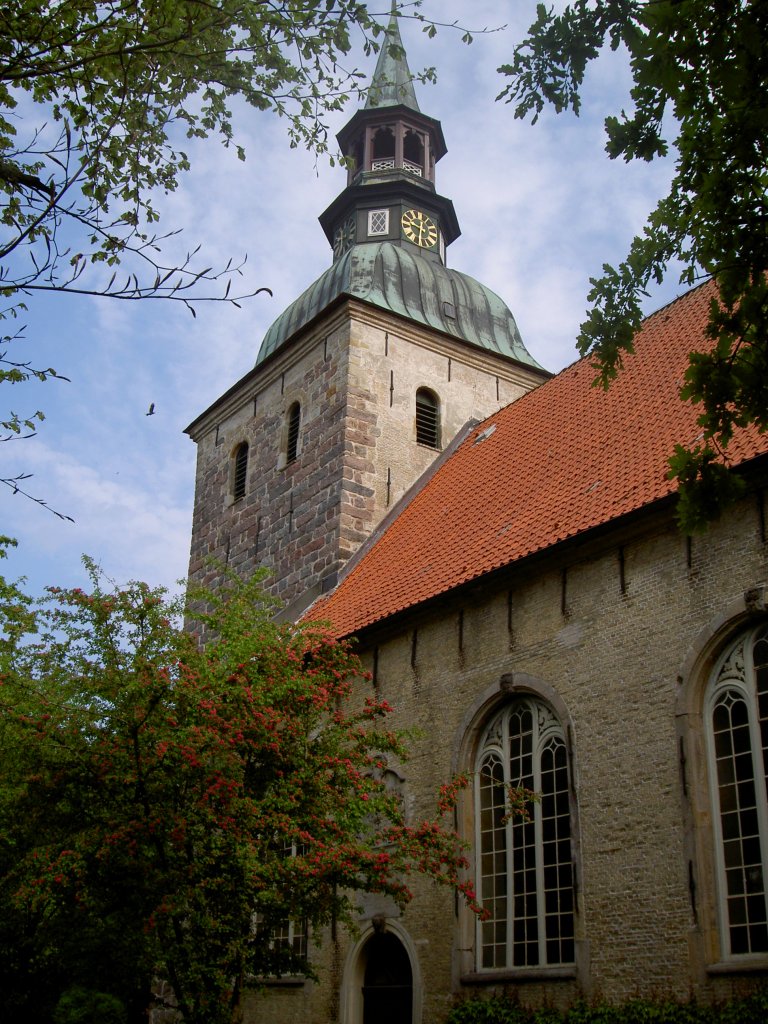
(378, 222)
(525, 871)
(493, 861)
(738, 723)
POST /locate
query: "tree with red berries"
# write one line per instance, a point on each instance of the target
(167, 808)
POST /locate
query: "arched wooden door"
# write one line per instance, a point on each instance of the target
(387, 982)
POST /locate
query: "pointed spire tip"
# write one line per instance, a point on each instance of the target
(392, 82)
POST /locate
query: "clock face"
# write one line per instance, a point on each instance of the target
(344, 237)
(419, 228)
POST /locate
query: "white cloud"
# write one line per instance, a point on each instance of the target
(134, 529)
(540, 207)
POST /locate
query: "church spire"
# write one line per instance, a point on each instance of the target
(392, 82)
(391, 149)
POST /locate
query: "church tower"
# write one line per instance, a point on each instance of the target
(363, 380)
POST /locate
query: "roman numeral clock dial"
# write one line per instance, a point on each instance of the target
(419, 228)
(344, 237)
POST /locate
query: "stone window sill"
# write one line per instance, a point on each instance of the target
(520, 974)
(292, 981)
(751, 965)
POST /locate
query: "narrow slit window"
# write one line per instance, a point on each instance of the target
(427, 418)
(240, 473)
(294, 422)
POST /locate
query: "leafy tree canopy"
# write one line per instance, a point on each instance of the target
(700, 77)
(170, 811)
(99, 100)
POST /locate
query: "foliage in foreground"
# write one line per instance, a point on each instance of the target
(750, 1010)
(165, 808)
(700, 76)
(100, 104)
(97, 100)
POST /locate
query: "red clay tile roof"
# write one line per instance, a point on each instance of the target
(565, 458)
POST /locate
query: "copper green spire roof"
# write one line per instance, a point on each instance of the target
(423, 291)
(392, 80)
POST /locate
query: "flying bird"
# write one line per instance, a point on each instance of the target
(151, 410)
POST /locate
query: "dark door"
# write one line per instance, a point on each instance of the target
(388, 981)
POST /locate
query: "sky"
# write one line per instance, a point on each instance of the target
(541, 208)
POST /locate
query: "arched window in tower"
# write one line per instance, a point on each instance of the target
(524, 862)
(239, 471)
(294, 423)
(737, 726)
(427, 418)
(413, 153)
(383, 156)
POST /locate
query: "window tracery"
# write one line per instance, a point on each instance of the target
(525, 876)
(737, 733)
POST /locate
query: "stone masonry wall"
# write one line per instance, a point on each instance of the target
(608, 628)
(389, 361)
(288, 519)
(355, 377)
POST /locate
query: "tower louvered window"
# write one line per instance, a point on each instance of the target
(427, 418)
(738, 747)
(524, 864)
(240, 471)
(294, 422)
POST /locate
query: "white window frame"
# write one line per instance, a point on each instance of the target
(373, 233)
(734, 674)
(495, 743)
(287, 933)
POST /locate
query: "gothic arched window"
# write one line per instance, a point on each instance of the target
(525, 875)
(427, 418)
(737, 726)
(239, 470)
(294, 422)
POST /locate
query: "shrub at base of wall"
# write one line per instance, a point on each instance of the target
(751, 1010)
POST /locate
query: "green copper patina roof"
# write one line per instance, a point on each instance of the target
(424, 291)
(392, 81)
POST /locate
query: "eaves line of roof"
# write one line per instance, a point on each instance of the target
(346, 296)
(422, 611)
